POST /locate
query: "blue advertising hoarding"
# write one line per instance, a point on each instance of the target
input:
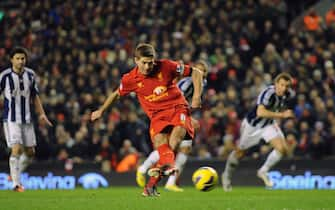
(306, 181)
(90, 180)
(288, 174)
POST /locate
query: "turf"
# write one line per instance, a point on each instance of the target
(121, 198)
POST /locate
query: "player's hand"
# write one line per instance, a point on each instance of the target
(45, 119)
(96, 115)
(288, 114)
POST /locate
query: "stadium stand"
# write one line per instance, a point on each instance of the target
(80, 49)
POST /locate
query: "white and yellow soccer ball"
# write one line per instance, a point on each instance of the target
(205, 179)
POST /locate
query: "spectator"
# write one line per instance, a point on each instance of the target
(330, 16)
(316, 147)
(312, 20)
(228, 146)
(129, 157)
(106, 156)
(80, 59)
(203, 153)
(292, 144)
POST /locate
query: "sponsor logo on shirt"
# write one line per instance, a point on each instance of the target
(158, 93)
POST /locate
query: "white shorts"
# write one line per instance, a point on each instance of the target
(251, 136)
(186, 143)
(17, 133)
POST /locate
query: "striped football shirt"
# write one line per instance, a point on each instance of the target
(186, 87)
(17, 91)
(272, 102)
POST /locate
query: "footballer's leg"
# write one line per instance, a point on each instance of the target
(29, 143)
(184, 150)
(273, 158)
(166, 158)
(250, 136)
(185, 125)
(273, 135)
(231, 164)
(150, 161)
(181, 158)
(234, 157)
(14, 166)
(14, 142)
(177, 134)
(26, 158)
(168, 162)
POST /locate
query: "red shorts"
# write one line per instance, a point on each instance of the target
(164, 121)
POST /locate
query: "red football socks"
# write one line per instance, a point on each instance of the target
(166, 155)
(153, 181)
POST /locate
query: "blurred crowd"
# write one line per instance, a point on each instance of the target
(81, 48)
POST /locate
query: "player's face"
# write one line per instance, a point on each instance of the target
(282, 86)
(145, 64)
(18, 61)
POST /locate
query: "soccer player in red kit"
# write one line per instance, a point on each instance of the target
(153, 81)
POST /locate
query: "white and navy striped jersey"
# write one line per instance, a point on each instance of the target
(17, 90)
(186, 87)
(272, 102)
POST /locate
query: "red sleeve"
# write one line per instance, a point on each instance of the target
(178, 68)
(126, 85)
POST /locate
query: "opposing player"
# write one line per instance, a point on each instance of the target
(170, 121)
(185, 84)
(272, 103)
(19, 87)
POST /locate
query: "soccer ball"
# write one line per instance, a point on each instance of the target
(205, 179)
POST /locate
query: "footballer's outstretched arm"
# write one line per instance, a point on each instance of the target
(197, 79)
(263, 112)
(111, 98)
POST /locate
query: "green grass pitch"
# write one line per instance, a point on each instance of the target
(122, 198)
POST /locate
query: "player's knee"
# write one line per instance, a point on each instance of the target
(158, 143)
(16, 150)
(282, 148)
(159, 140)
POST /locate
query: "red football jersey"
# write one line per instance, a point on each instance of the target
(157, 91)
